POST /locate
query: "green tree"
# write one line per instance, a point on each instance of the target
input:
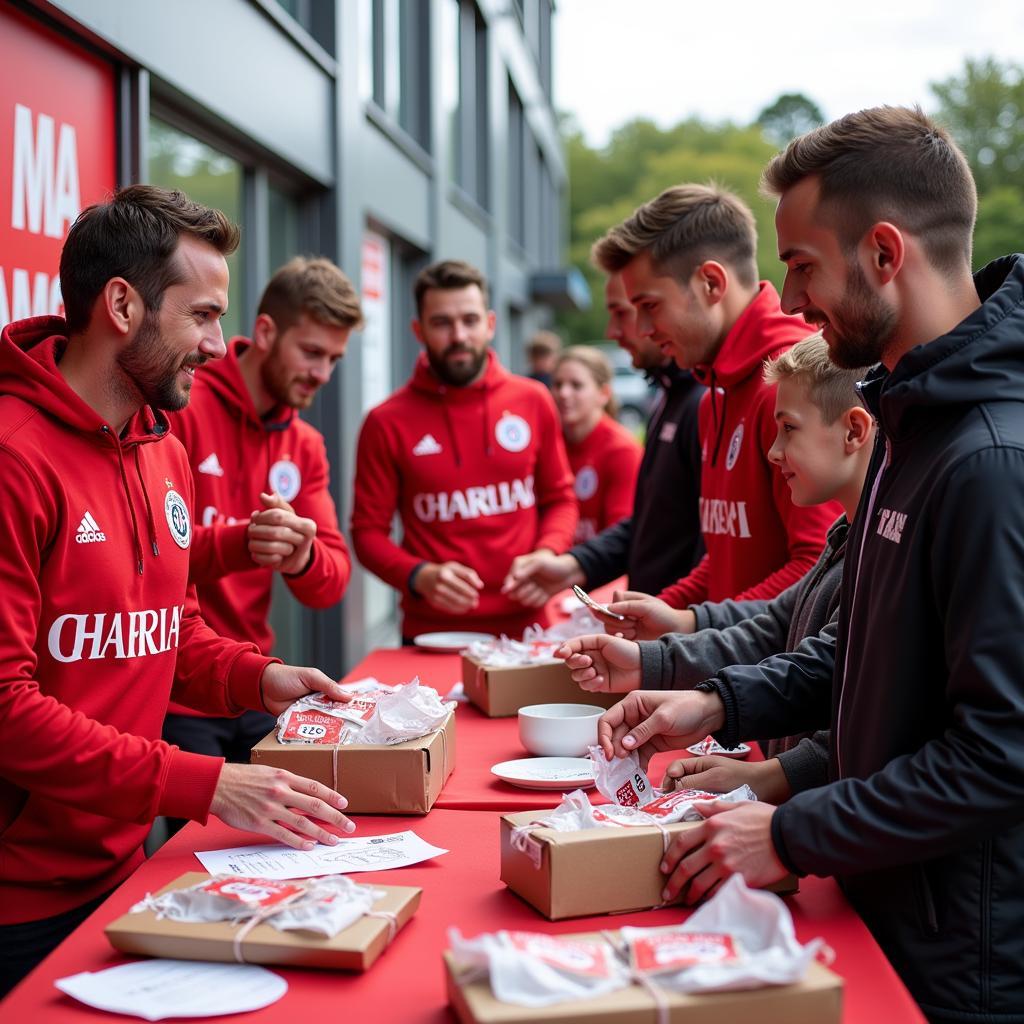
(790, 115)
(983, 107)
(641, 160)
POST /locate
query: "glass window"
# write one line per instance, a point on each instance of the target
(516, 196)
(464, 97)
(451, 85)
(282, 227)
(398, 80)
(178, 160)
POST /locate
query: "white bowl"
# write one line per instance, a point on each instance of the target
(559, 730)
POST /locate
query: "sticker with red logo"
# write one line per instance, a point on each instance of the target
(360, 709)
(675, 951)
(667, 804)
(253, 892)
(313, 727)
(588, 959)
(630, 793)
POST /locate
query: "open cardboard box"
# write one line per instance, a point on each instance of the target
(500, 691)
(354, 948)
(404, 778)
(593, 871)
(818, 999)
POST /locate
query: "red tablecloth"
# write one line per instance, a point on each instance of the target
(461, 889)
(479, 741)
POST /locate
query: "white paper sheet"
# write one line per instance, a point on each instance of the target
(363, 853)
(157, 989)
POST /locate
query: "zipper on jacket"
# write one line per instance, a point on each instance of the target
(868, 517)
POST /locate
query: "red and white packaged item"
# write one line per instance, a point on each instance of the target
(253, 892)
(375, 714)
(658, 952)
(740, 939)
(323, 905)
(589, 959)
(621, 779)
(304, 725)
(540, 970)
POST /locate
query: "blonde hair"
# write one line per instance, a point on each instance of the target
(596, 363)
(316, 287)
(829, 387)
(681, 228)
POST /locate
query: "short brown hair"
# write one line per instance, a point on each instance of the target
(135, 236)
(544, 343)
(886, 163)
(448, 275)
(314, 286)
(681, 228)
(831, 388)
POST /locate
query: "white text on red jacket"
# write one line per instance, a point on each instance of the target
(474, 502)
(102, 635)
(724, 517)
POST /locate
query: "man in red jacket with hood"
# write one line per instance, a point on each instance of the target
(98, 625)
(249, 450)
(472, 458)
(687, 259)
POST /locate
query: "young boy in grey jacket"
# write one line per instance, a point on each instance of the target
(822, 448)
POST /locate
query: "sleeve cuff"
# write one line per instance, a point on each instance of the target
(232, 547)
(728, 735)
(701, 613)
(779, 842)
(243, 688)
(309, 565)
(189, 785)
(652, 665)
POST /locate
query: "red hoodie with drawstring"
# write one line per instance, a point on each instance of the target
(235, 454)
(97, 626)
(757, 541)
(478, 475)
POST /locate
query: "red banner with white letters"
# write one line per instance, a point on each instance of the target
(58, 147)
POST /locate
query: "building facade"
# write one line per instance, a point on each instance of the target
(382, 133)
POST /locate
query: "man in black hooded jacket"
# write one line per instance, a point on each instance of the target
(923, 821)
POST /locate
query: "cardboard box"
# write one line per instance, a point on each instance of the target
(353, 949)
(501, 691)
(404, 778)
(594, 871)
(818, 999)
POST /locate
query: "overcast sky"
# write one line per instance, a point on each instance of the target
(668, 59)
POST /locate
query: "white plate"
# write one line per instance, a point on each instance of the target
(718, 750)
(547, 772)
(448, 643)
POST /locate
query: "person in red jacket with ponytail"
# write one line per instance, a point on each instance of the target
(604, 455)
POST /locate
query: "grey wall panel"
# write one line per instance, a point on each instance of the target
(232, 59)
(460, 238)
(393, 189)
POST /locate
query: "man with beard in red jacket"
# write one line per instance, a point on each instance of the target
(249, 450)
(472, 459)
(687, 259)
(98, 624)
